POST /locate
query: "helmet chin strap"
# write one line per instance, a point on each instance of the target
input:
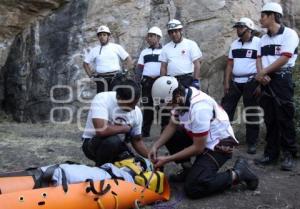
(187, 102)
(188, 98)
(241, 35)
(178, 41)
(105, 43)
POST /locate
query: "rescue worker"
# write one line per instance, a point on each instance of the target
(106, 59)
(239, 79)
(180, 58)
(149, 66)
(199, 128)
(113, 115)
(276, 60)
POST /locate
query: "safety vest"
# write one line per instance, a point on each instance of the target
(220, 116)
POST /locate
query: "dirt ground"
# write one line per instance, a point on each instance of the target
(27, 145)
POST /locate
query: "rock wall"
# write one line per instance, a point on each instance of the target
(15, 16)
(43, 71)
(39, 60)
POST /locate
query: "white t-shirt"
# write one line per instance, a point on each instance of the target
(285, 42)
(244, 57)
(180, 56)
(106, 58)
(149, 59)
(206, 118)
(105, 106)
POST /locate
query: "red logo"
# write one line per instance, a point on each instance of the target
(249, 53)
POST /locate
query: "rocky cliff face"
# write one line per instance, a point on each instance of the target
(39, 60)
(42, 75)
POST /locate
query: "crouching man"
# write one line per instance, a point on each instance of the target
(112, 116)
(199, 127)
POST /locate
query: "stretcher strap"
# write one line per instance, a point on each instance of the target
(113, 176)
(101, 206)
(49, 172)
(92, 189)
(149, 180)
(137, 204)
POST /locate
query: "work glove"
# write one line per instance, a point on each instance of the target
(196, 83)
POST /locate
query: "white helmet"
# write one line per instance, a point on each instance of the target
(272, 7)
(155, 30)
(244, 21)
(162, 89)
(103, 29)
(174, 24)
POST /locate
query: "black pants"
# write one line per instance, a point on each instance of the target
(105, 150)
(185, 80)
(230, 101)
(203, 178)
(277, 102)
(148, 109)
(103, 83)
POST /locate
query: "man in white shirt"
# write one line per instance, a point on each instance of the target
(239, 79)
(276, 60)
(112, 116)
(149, 66)
(106, 59)
(180, 58)
(199, 128)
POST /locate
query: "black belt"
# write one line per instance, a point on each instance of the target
(183, 75)
(284, 70)
(85, 139)
(149, 77)
(244, 76)
(109, 74)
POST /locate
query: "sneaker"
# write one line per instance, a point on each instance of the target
(180, 176)
(287, 163)
(241, 168)
(251, 149)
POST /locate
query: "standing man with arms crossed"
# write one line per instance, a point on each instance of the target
(180, 58)
(239, 74)
(106, 58)
(149, 64)
(199, 128)
(276, 60)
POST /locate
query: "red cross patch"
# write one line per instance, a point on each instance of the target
(277, 50)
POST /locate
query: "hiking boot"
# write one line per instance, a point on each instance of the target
(241, 168)
(251, 149)
(265, 160)
(180, 176)
(287, 163)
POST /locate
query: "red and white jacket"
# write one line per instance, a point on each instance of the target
(205, 118)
